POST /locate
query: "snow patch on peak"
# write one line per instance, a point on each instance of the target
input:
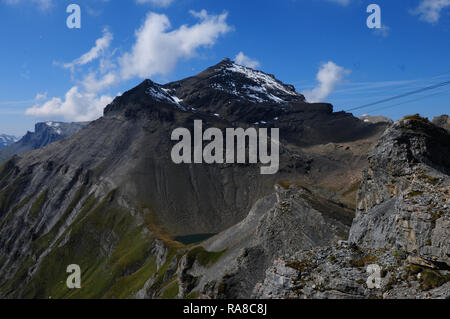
(158, 94)
(252, 85)
(164, 95)
(264, 80)
(55, 127)
(53, 124)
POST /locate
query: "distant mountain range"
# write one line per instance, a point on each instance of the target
(6, 140)
(110, 199)
(44, 134)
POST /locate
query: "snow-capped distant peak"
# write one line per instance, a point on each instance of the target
(55, 127)
(53, 124)
(6, 140)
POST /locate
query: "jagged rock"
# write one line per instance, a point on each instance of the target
(376, 119)
(402, 225)
(341, 273)
(442, 121)
(284, 227)
(159, 250)
(403, 198)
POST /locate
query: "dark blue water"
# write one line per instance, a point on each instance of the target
(193, 239)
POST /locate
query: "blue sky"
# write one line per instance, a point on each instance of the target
(323, 47)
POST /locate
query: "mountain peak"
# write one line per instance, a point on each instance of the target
(144, 96)
(226, 60)
(252, 85)
(225, 88)
(235, 90)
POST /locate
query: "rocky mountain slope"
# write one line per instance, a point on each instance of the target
(110, 199)
(291, 219)
(376, 119)
(402, 225)
(44, 134)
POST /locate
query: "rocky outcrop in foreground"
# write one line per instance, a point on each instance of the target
(442, 121)
(291, 219)
(402, 225)
(340, 272)
(403, 199)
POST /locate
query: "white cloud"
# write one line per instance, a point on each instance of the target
(81, 103)
(93, 84)
(329, 76)
(42, 4)
(430, 10)
(76, 106)
(157, 50)
(244, 60)
(41, 96)
(161, 3)
(101, 45)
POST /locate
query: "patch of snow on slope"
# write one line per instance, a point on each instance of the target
(264, 87)
(53, 124)
(55, 127)
(6, 140)
(264, 80)
(162, 94)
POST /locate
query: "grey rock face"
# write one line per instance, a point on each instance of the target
(340, 272)
(294, 223)
(403, 199)
(290, 224)
(442, 121)
(402, 225)
(376, 119)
